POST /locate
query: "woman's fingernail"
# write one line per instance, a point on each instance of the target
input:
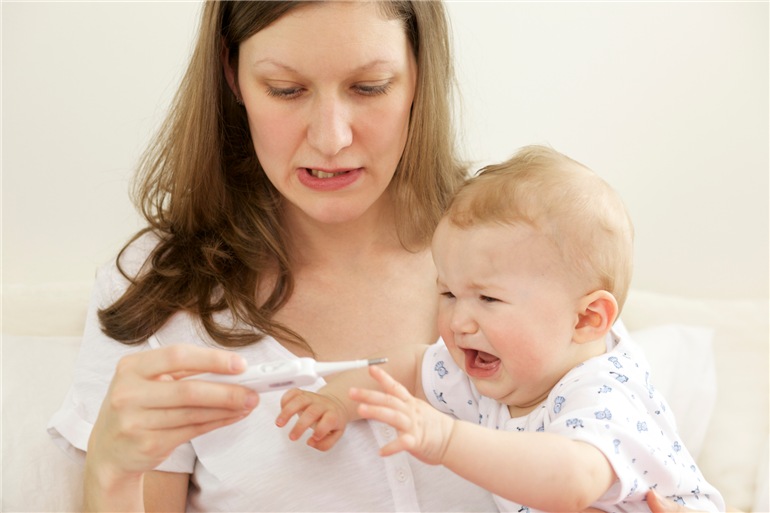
(237, 363)
(251, 400)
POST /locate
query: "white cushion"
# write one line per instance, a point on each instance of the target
(682, 368)
(48, 309)
(37, 475)
(731, 456)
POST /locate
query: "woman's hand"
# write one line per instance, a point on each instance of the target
(324, 413)
(658, 504)
(149, 411)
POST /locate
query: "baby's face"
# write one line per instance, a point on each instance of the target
(507, 309)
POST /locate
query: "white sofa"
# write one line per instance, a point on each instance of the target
(709, 356)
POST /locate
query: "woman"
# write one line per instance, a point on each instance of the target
(290, 198)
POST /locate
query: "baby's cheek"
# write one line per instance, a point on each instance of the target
(443, 326)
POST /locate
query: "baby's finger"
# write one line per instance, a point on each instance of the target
(326, 442)
(394, 418)
(374, 397)
(403, 443)
(290, 396)
(326, 425)
(305, 420)
(378, 399)
(388, 384)
(292, 403)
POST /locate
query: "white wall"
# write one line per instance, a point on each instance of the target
(667, 101)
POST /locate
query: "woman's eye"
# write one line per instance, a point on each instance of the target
(284, 92)
(372, 89)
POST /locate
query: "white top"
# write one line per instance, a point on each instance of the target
(608, 402)
(252, 465)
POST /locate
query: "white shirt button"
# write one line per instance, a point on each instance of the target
(401, 475)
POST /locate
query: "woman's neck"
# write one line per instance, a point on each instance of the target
(312, 243)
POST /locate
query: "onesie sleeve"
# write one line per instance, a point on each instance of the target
(610, 403)
(70, 427)
(447, 388)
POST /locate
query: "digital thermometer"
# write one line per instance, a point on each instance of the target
(283, 374)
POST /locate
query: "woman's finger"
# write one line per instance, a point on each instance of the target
(659, 504)
(172, 418)
(169, 439)
(183, 360)
(138, 392)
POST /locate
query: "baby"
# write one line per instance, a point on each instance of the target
(532, 394)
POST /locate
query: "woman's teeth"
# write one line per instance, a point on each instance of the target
(323, 174)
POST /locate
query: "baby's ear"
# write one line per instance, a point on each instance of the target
(596, 314)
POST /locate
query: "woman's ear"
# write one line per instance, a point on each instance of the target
(230, 72)
(597, 312)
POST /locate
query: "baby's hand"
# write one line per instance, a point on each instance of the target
(325, 414)
(423, 431)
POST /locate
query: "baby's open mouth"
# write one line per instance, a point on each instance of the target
(479, 363)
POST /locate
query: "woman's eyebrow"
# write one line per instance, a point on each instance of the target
(364, 67)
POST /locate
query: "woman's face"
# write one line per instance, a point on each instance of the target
(328, 90)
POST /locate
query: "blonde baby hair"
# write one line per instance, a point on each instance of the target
(562, 199)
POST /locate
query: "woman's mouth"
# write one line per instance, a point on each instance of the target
(324, 174)
(479, 364)
(328, 180)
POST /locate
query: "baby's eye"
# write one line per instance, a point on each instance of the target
(447, 295)
(488, 299)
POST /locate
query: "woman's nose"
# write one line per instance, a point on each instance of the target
(330, 130)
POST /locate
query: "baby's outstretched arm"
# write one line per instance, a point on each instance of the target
(546, 471)
(423, 431)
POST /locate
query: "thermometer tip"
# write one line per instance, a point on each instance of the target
(377, 361)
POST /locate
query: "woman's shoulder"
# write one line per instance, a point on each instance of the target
(134, 254)
(113, 277)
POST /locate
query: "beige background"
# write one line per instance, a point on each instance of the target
(668, 101)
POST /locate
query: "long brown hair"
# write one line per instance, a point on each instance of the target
(218, 218)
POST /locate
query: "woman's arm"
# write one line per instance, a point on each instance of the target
(149, 411)
(166, 491)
